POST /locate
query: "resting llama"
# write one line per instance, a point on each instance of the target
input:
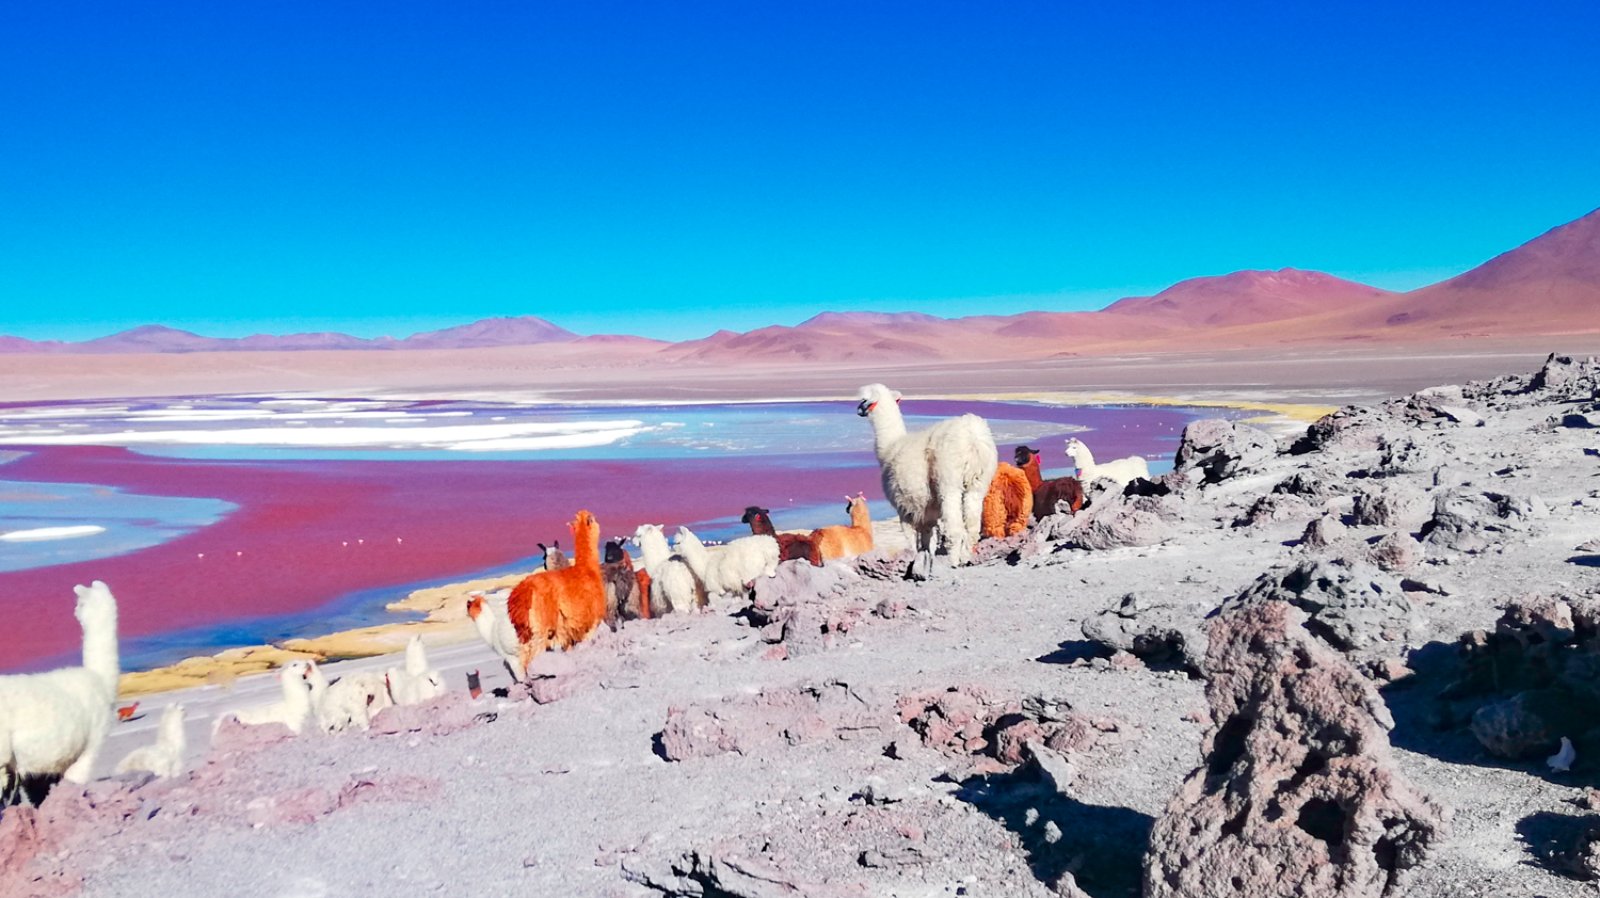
(165, 757)
(791, 546)
(416, 682)
(559, 609)
(673, 584)
(840, 541)
(293, 709)
(1009, 503)
(349, 702)
(53, 724)
(934, 478)
(1048, 493)
(1122, 472)
(731, 568)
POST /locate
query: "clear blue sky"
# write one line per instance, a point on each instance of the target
(668, 169)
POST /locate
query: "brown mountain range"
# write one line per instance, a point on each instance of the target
(1549, 285)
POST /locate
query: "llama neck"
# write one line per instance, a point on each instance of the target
(1084, 457)
(888, 426)
(652, 550)
(860, 515)
(694, 554)
(586, 553)
(100, 652)
(1031, 471)
(171, 730)
(761, 525)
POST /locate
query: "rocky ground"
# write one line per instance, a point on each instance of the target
(1333, 664)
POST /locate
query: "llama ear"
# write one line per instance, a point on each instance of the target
(541, 547)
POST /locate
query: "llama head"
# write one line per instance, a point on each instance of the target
(874, 395)
(753, 513)
(96, 606)
(647, 531)
(171, 725)
(585, 533)
(685, 536)
(1075, 447)
(474, 605)
(1024, 455)
(614, 552)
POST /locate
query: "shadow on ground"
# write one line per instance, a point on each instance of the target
(1074, 650)
(1433, 712)
(1550, 838)
(1103, 847)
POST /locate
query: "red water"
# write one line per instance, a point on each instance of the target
(308, 532)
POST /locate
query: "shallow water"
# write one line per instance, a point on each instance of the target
(221, 531)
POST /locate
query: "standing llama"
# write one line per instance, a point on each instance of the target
(559, 609)
(1122, 472)
(53, 724)
(673, 583)
(934, 478)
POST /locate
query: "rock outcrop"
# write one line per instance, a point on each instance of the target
(1221, 449)
(1350, 605)
(1298, 794)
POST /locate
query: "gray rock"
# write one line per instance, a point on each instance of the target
(1391, 503)
(1275, 508)
(1118, 521)
(1404, 455)
(1155, 635)
(1221, 449)
(1470, 521)
(1396, 553)
(1527, 725)
(1298, 793)
(1350, 605)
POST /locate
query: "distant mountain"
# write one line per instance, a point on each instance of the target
(491, 332)
(1250, 297)
(152, 338)
(1551, 284)
(157, 338)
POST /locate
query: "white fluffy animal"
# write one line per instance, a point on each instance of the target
(935, 477)
(726, 569)
(165, 757)
(53, 724)
(672, 580)
(348, 703)
(1122, 472)
(293, 709)
(416, 682)
(494, 627)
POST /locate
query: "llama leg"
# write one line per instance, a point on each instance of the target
(971, 518)
(952, 520)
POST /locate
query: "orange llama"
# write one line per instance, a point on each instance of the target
(559, 609)
(1008, 504)
(839, 541)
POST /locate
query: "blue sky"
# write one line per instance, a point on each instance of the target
(668, 169)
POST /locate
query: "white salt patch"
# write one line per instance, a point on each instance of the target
(566, 441)
(467, 437)
(41, 534)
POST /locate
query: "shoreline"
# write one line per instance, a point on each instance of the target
(443, 608)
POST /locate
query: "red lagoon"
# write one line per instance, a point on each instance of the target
(307, 532)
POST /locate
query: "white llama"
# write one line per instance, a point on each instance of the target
(165, 757)
(1122, 472)
(53, 724)
(935, 477)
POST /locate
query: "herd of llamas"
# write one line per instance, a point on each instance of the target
(945, 483)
